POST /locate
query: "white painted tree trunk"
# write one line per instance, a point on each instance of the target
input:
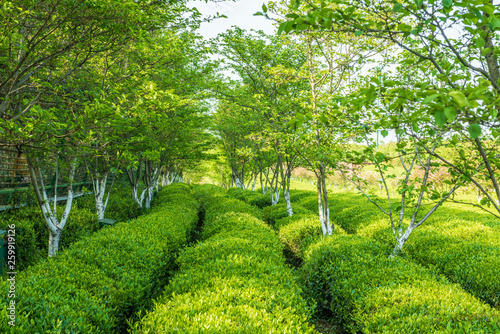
(135, 191)
(238, 183)
(54, 225)
(149, 197)
(275, 196)
(323, 208)
(254, 183)
(329, 229)
(401, 240)
(54, 243)
(286, 194)
(99, 192)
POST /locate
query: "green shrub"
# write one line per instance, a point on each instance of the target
(205, 192)
(279, 223)
(100, 281)
(27, 252)
(297, 195)
(350, 213)
(351, 279)
(300, 233)
(121, 207)
(310, 203)
(260, 200)
(475, 266)
(220, 205)
(235, 281)
(272, 214)
(81, 222)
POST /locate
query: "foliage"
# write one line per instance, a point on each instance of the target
(298, 232)
(103, 279)
(223, 205)
(272, 214)
(235, 280)
(471, 263)
(251, 197)
(366, 291)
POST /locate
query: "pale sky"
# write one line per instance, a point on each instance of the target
(239, 13)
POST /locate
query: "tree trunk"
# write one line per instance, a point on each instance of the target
(149, 197)
(54, 243)
(286, 194)
(54, 225)
(323, 205)
(238, 183)
(401, 240)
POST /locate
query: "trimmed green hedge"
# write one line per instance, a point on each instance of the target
(205, 192)
(299, 232)
(272, 214)
(221, 205)
(100, 281)
(260, 200)
(475, 266)
(235, 281)
(351, 212)
(297, 195)
(33, 235)
(467, 253)
(357, 285)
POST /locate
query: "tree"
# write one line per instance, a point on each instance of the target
(457, 91)
(46, 106)
(258, 59)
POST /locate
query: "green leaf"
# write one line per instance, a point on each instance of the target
(485, 201)
(480, 43)
(495, 23)
(384, 133)
(447, 3)
(281, 28)
(397, 7)
(358, 33)
(459, 97)
(474, 130)
(488, 10)
(430, 98)
(450, 113)
(328, 24)
(288, 27)
(264, 8)
(440, 118)
(415, 126)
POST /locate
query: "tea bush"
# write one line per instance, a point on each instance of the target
(258, 199)
(301, 232)
(221, 205)
(467, 253)
(103, 279)
(473, 265)
(272, 214)
(297, 195)
(27, 252)
(351, 279)
(235, 281)
(33, 234)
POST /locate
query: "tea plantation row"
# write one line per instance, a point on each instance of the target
(102, 280)
(234, 281)
(350, 279)
(140, 277)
